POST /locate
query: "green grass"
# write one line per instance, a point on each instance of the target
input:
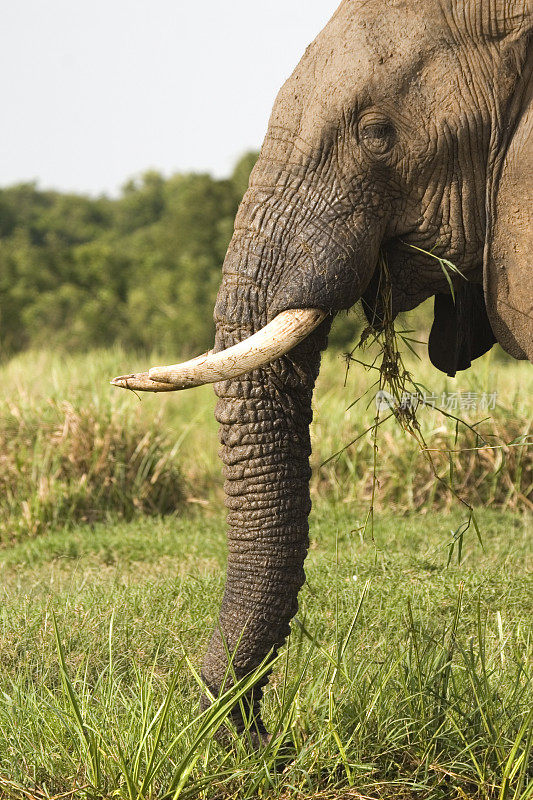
(403, 677)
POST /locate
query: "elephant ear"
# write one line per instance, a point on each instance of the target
(508, 273)
(461, 330)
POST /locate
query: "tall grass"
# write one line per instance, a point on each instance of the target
(485, 456)
(74, 449)
(61, 463)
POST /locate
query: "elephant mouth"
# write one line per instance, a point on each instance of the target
(272, 341)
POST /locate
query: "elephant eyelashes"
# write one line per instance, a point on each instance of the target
(377, 137)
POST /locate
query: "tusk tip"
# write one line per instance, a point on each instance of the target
(120, 381)
(125, 381)
(140, 382)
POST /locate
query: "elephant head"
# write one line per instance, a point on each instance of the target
(404, 128)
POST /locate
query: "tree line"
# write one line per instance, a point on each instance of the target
(141, 270)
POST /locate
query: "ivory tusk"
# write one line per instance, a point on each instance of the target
(141, 381)
(274, 340)
(285, 331)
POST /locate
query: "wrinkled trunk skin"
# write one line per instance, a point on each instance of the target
(264, 432)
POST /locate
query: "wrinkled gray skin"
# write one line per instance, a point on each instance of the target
(398, 127)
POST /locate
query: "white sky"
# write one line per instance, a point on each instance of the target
(95, 91)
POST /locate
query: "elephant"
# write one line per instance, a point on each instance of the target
(405, 129)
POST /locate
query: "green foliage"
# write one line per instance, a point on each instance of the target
(141, 270)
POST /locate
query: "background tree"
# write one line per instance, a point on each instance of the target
(142, 270)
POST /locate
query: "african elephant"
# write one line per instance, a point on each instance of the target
(405, 123)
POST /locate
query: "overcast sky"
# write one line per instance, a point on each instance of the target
(96, 91)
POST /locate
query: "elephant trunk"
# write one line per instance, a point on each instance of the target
(280, 257)
(264, 432)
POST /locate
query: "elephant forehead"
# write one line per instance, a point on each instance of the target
(366, 52)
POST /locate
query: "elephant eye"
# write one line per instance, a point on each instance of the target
(377, 137)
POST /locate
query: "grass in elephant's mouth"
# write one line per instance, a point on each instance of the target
(403, 678)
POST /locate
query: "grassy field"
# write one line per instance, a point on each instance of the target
(403, 676)
(409, 668)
